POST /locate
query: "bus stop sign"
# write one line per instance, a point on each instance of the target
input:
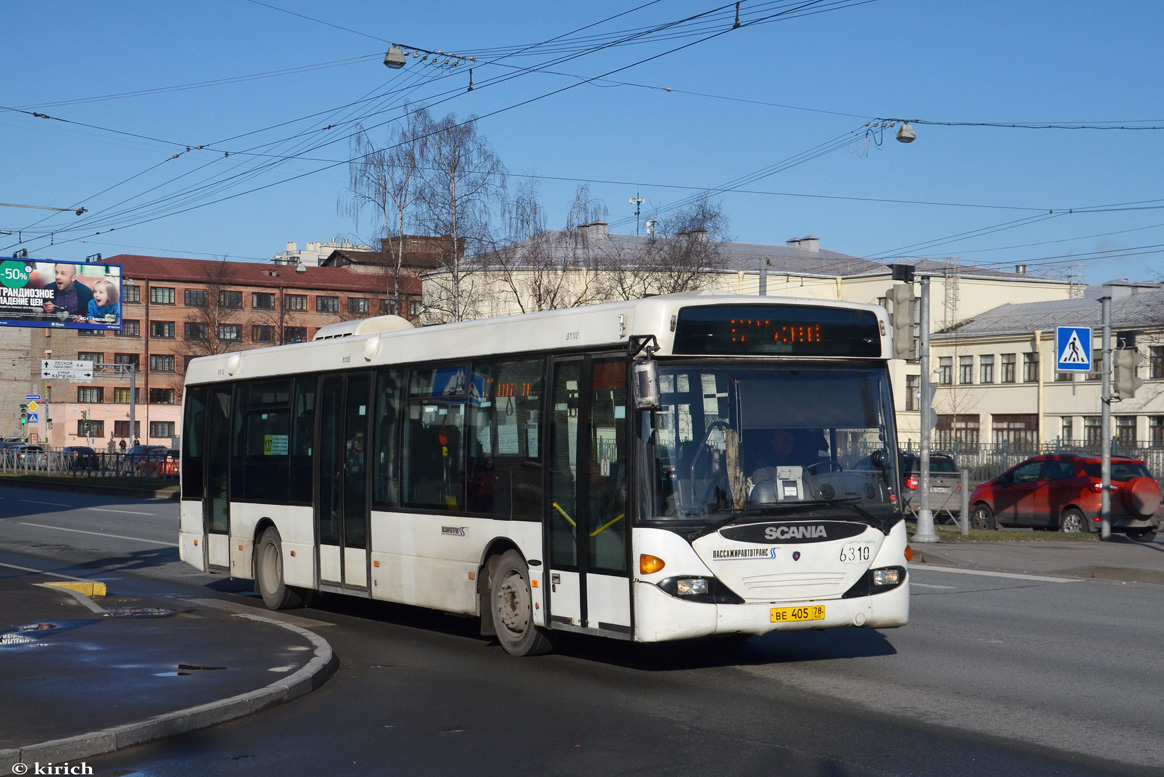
(1073, 348)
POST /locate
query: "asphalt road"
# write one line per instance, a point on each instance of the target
(994, 675)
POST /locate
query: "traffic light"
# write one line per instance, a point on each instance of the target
(23, 415)
(1127, 364)
(901, 319)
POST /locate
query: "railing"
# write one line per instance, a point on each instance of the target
(96, 465)
(989, 460)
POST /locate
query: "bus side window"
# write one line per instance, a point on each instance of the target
(385, 453)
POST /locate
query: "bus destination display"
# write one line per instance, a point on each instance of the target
(785, 330)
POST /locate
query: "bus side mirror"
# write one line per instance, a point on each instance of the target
(645, 378)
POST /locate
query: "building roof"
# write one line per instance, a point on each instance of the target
(1134, 306)
(799, 256)
(202, 271)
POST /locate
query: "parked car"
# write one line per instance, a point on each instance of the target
(1063, 491)
(134, 460)
(79, 457)
(160, 462)
(945, 484)
(30, 455)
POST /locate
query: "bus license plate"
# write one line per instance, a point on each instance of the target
(786, 614)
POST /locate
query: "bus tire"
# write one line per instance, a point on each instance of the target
(511, 602)
(277, 595)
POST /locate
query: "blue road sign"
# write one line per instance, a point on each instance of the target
(1073, 348)
(32, 397)
(34, 418)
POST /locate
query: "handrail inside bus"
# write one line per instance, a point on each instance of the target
(607, 525)
(563, 512)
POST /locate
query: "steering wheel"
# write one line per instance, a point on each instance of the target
(830, 466)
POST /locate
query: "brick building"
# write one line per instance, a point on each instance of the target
(172, 311)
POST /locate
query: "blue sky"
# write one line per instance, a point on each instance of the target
(742, 102)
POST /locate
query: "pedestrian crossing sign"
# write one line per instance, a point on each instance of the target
(1073, 349)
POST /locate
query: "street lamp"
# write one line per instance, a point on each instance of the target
(906, 134)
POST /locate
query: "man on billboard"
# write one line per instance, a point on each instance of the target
(69, 297)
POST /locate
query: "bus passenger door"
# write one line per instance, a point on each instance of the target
(216, 504)
(341, 504)
(586, 526)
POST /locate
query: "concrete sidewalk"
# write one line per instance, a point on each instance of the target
(1118, 559)
(83, 676)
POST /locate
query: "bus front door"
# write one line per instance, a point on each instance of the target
(588, 533)
(341, 504)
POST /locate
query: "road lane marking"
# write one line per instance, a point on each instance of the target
(119, 512)
(983, 573)
(100, 534)
(38, 502)
(926, 585)
(42, 572)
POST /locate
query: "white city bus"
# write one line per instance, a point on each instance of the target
(659, 469)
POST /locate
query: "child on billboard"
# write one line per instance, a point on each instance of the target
(103, 308)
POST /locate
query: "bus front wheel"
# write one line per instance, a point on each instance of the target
(277, 595)
(512, 605)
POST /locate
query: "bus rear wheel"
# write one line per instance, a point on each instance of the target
(512, 605)
(277, 595)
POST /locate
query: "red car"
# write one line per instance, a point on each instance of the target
(1063, 491)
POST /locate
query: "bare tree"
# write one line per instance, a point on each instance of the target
(684, 254)
(385, 181)
(461, 181)
(543, 269)
(218, 315)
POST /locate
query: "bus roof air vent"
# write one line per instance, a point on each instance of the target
(362, 326)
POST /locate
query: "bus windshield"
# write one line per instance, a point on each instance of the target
(731, 442)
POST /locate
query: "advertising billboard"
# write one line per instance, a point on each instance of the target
(62, 295)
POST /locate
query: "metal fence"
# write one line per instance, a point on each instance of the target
(96, 465)
(984, 461)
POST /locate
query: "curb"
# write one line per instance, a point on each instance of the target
(1095, 572)
(78, 484)
(311, 676)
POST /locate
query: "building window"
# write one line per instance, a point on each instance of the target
(91, 394)
(1008, 365)
(966, 370)
(986, 370)
(162, 295)
(954, 430)
(161, 362)
(161, 396)
(91, 332)
(197, 298)
(1096, 371)
(121, 428)
(1092, 429)
(90, 428)
(1156, 431)
(1068, 431)
(128, 358)
(130, 292)
(161, 428)
(91, 356)
(1064, 376)
(358, 305)
(230, 331)
(262, 300)
(130, 328)
(230, 299)
(295, 302)
(415, 309)
(1018, 430)
(945, 370)
(389, 307)
(163, 330)
(327, 304)
(1156, 362)
(1126, 429)
(262, 333)
(121, 395)
(912, 390)
(197, 331)
(295, 334)
(1030, 367)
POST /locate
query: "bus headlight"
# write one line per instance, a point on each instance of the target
(888, 576)
(691, 586)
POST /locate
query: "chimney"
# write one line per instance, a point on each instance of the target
(1020, 269)
(699, 234)
(594, 230)
(292, 246)
(810, 243)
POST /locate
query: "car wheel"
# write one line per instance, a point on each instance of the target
(1072, 522)
(982, 517)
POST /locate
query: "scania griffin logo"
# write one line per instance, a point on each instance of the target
(802, 532)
